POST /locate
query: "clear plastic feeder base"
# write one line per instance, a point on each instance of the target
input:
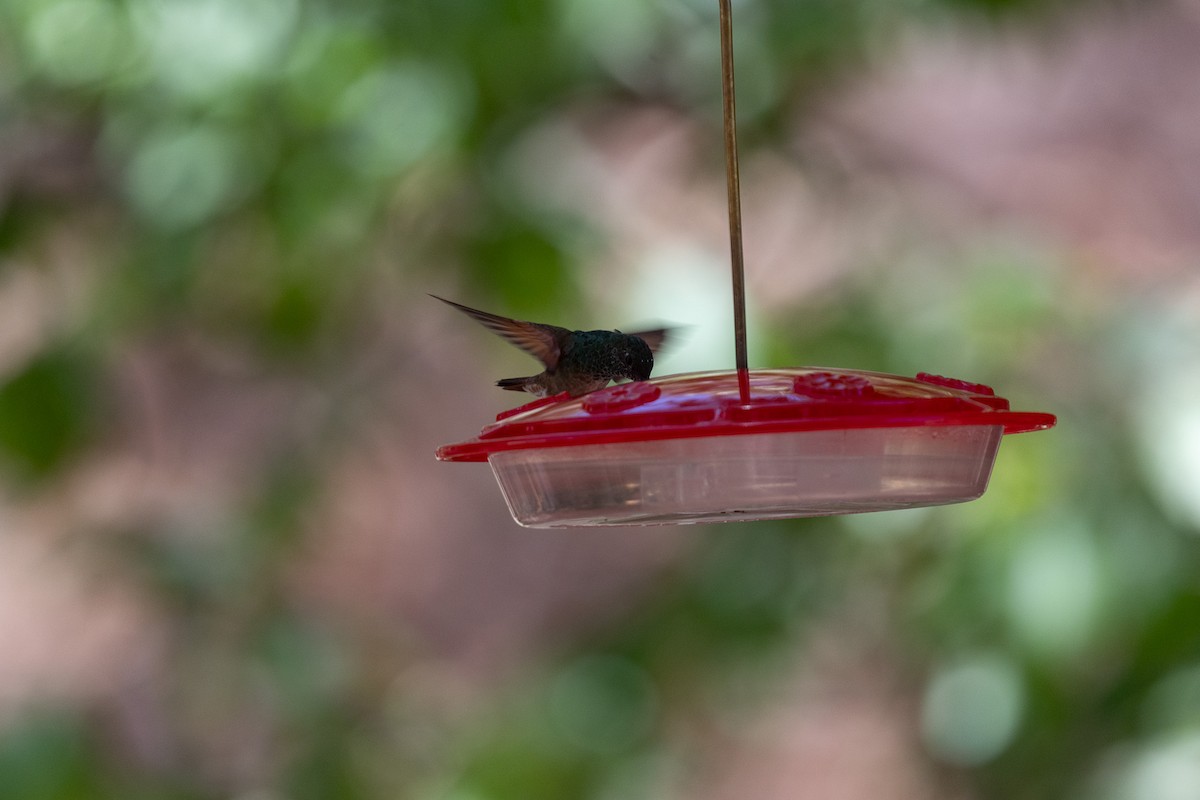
(732, 478)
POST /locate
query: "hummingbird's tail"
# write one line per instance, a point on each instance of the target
(516, 384)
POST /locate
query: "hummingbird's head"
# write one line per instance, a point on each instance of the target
(637, 358)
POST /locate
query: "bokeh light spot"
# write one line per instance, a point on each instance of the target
(179, 178)
(617, 33)
(688, 287)
(1054, 589)
(76, 41)
(1167, 770)
(972, 710)
(1170, 418)
(199, 46)
(395, 115)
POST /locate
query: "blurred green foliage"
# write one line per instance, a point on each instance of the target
(242, 167)
(47, 411)
(48, 759)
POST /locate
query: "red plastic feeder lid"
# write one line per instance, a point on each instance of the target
(711, 404)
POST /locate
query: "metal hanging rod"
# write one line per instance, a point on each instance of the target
(733, 188)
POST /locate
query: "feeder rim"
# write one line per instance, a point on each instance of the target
(841, 400)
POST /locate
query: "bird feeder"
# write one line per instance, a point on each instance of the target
(745, 444)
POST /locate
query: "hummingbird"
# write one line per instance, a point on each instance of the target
(577, 362)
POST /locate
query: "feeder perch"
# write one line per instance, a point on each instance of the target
(745, 444)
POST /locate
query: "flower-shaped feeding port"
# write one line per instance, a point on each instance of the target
(698, 448)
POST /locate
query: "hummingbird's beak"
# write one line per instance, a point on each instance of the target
(642, 370)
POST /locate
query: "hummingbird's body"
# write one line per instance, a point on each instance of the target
(577, 362)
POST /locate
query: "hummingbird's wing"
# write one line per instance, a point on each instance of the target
(654, 339)
(543, 342)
